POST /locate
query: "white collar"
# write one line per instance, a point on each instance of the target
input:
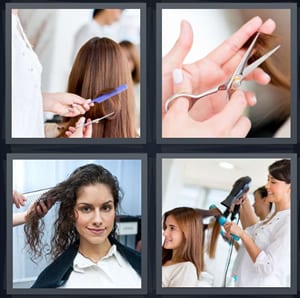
(81, 262)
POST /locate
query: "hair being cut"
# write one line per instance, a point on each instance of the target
(99, 67)
(65, 233)
(264, 43)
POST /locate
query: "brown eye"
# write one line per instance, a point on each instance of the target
(85, 209)
(107, 208)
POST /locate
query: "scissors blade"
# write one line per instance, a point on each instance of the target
(259, 61)
(95, 120)
(240, 68)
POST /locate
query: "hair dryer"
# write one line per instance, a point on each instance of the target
(240, 187)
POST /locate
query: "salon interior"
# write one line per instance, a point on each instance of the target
(52, 34)
(202, 182)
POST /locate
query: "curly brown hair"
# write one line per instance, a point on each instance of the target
(65, 233)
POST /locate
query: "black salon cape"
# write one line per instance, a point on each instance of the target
(57, 273)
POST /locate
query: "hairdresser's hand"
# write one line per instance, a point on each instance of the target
(80, 131)
(40, 207)
(213, 69)
(43, 207)
(18, 199)
(233, 228)
(66, 104)
(241, 200)
(227, 238)
(229, 122)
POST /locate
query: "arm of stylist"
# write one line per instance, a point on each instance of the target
(66, 104)
(252, 249)
(70, 105)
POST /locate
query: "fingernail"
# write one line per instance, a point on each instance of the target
(88, 100)
(254, 99)
(267, 77)
(177, 76)
(270, 21)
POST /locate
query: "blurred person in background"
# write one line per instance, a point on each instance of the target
(132, 53)
(98, 27)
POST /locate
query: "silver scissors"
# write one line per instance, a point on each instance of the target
(95, 120)
(236, 78)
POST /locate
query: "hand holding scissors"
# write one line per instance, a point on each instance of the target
(235, 79)
(230, 122)
(220, 64)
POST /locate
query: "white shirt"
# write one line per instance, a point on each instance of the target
(90, 30)
(112, 271)
(27, 104)
(272, 267)
(184, 274)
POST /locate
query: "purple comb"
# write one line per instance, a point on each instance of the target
(110, 94)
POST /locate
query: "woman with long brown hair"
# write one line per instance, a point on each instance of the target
(99, 67)
(183, 247)
(85, 250)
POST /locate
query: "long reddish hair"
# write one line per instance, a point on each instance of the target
(189, 221)
(264, 43)
(99, 67)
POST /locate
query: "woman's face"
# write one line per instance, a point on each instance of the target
(94, 213)
(260, 205)
(277, 189)
(172, 233)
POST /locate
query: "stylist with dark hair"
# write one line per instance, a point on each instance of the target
(265, 259)
(99, 26)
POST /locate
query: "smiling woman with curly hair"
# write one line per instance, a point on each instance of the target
(85, 251)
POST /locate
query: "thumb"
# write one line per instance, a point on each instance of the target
(80, 122)
(88, 130)
(182, 84)
(182, 46)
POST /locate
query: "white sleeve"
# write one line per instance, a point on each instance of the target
(79, 39)
(184, 276)
(82, 36)
(276, 256)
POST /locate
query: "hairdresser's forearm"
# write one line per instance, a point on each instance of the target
(19, 218)
(247, 215)
(250, 246)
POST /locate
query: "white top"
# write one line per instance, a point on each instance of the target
(184, 274)
(27, 103)
(90, 30)
(272, 267)
(112, 271)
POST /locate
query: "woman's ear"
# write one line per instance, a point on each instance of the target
(75, 213)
